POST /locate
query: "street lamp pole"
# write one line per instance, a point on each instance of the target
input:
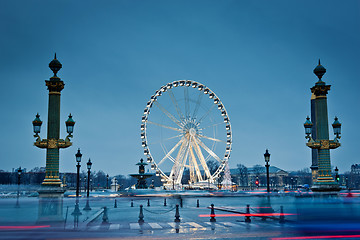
(267, 159)
(19, 171)
(107, 181)
(89, 163)
(337, 177)
(87, 207)
(78, 156)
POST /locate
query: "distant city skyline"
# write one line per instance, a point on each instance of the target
(258, 57)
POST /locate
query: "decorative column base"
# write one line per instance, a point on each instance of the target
(52, 182)
(325, 186)
(51, 205)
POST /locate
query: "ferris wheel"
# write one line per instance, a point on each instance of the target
(188, 133)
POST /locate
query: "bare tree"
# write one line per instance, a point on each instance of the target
(243, 175)
(213, 166)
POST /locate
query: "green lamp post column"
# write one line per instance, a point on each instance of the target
(324, 181)
(53, 142)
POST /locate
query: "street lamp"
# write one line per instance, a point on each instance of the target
(337, 177)
(78, 156)
(89, 163)
(19, 171)
(267, 159)
(308, 128)
(115, 181)
(107, 181)
(337, 128)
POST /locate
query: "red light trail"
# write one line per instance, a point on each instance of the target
(248, 215)
(22, 227)
(317, 237)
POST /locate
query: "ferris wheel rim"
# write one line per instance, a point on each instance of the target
(216, 100)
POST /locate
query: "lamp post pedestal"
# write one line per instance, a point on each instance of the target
(51, 205)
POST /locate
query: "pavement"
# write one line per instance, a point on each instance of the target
(121, 219)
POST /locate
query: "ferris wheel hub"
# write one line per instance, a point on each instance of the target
(190, 128)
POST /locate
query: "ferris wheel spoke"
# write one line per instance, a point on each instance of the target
(171, 151)
(196, 166)
(207, 113)
(212, 139)
(169, 115)
(202, 159)
(197, 104)
(164, 140)
(164, 126)
(187, 106)
(178, 157)
(212, 125)
(173, 99)
(181, 170)
(209, 150)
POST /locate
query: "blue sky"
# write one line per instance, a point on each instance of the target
(257, 56)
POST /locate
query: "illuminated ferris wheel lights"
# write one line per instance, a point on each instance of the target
(190, 147)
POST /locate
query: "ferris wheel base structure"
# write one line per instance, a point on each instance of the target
(192, 186)
(188, 130)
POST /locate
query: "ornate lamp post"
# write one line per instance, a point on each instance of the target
(320, 130)
(107, 181)
(53, 143)
(89, 163)
(337, 177)
(115, 181)
(267, 159)
(87, 207)
(78, 156)
(19, 171)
